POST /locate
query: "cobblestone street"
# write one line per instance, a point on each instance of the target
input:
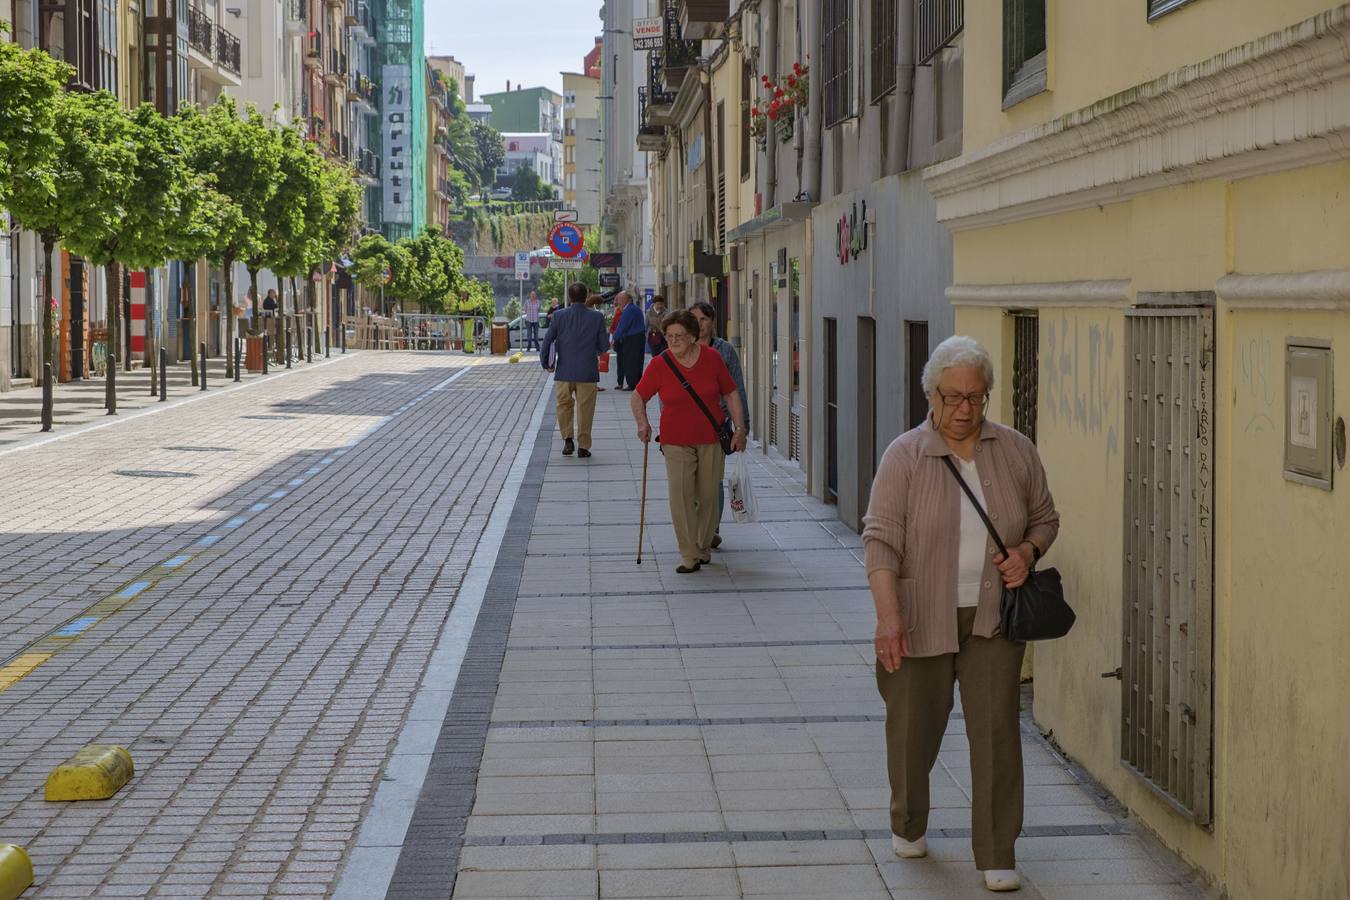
(367, 633)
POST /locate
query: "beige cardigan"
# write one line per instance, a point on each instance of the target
(913, 526)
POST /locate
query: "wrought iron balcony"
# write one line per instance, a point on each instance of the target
(201, 31)
(227, 50)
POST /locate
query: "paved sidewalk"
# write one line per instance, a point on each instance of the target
(80, 403)
(621, 731)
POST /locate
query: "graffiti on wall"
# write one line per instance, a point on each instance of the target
(1258, 382)
(1082, 384)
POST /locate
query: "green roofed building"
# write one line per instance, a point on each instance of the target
(526, 111)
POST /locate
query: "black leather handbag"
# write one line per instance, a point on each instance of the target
(1036, 610)
(723, 428)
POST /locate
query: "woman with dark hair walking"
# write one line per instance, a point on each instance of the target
(706, 314)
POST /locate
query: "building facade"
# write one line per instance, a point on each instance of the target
(1149, 233)
(626, 215)
(581, 145)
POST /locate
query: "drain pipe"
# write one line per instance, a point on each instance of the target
(770, 43)
(904, 85)
(811, 175)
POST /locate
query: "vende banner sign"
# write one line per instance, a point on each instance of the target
(649, 34)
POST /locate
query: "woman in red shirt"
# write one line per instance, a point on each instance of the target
(694, 458)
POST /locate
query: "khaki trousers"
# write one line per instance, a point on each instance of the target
(694, 474)
(576, 398)
(918, 699)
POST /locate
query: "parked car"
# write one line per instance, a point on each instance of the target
(501, 193)
(516, 329)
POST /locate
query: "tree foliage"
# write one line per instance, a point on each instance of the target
(527, 185)
(491, 152)
(30, 83)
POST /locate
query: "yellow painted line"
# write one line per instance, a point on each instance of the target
(16, 670)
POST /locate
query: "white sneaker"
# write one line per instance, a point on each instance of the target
(909, 849)
(1002, 880)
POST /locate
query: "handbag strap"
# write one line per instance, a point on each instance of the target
(717, 426)
(998, 541)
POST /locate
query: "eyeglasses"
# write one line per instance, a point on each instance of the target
(676, 336)
(976, 401)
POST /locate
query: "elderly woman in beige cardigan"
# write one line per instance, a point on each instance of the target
(936, 579)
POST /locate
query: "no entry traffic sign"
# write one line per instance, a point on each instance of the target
(566, 240)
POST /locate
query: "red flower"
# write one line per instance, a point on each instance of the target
(765, 79)
(754, 110)
(797, 68)
(773, 115)
(778, 92)
(792, 81)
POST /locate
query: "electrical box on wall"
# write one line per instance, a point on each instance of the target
(1308, 430)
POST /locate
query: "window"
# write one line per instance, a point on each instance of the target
(916, 355)
(1159, 8)
(936, 24)
(883, 48)
(1026, 368)
(1023, 50)
(837, 53)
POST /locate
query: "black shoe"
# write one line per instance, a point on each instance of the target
(685, 570)
(716, 541)
(568, 447)
(584, 453)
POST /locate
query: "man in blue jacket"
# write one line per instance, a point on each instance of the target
(572, 346)
(630, 340)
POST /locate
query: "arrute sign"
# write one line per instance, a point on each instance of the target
(850, 238)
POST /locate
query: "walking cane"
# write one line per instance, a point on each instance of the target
(642, 509)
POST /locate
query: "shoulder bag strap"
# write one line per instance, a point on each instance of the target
(998, 541)
(692, 393)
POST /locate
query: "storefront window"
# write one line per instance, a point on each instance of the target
(794, 285)
(773, 336)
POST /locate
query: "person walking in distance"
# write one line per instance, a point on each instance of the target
(656, 341)
(532, 321)
(577, 336)
(693, 382)
(706, 314)
(630, 338)
(937, 579)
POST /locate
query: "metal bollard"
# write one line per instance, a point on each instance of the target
(288, 344)
(201, 357)
(110, 399)
(309, 343)
(238, 353)
(326, 342)
(154, 378)
(163, 374)
(267, 349)
(46, 396)
(343, 336)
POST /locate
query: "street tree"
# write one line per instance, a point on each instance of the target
(149, 202)
(285, 216)
(335, 214)
(527, 185)
(241, 152)
(30, 83)
(94, 161)
(439, 265)
(376, 263)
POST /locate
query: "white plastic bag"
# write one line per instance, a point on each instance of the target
(740, 495)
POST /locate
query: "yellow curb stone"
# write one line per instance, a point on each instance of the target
(514, 358)
(16, 871)
(94, 773)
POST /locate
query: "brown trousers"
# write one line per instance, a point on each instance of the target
(693, 474)
(918, 699)
(576, 397)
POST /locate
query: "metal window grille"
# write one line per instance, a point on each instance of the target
(794, 436)
(1026, 369)
(773, 423)
(1167, 670)
(936, 24)
(1023, 42)
(883, 47)
(837, 53)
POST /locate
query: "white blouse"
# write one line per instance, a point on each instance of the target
(974, 539)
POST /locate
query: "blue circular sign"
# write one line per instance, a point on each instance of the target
(566, 240)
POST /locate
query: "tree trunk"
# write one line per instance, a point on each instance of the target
(48, 350)
(113, 271)
(194, 323)
(228, 312)
(253, 290)
(311, 319)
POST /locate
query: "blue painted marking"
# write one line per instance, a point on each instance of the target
(132, 590)
(74, 628)
(312, 470)
(234, 523)
(258, 507)
(177, 560)
(277, 495)
(326, 461)
(296, 482)
(209, 540)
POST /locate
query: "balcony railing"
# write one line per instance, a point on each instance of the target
(657, 94)
(201, 31)
(227, 50)
(295, 11)
(936, 24)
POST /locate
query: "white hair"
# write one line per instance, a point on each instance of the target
(957, 351)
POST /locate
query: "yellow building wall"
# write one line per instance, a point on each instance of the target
(1282, 734)
(1084, 65)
